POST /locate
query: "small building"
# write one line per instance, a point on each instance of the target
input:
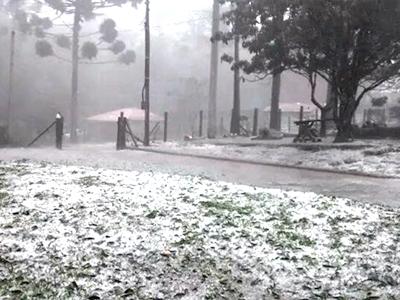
(290, 112)
(103, 127)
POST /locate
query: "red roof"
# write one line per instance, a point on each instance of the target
(294, 107)
(131, 113)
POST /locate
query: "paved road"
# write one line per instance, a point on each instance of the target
(372, 190)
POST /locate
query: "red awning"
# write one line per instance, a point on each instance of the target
(131, 113)
(294, 107)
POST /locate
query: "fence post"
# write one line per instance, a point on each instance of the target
(118, 133)
(255, 122)
(165, 126)
(59, 130)
(289, 124)
(201, 124)
(123, 132)
(120, 128)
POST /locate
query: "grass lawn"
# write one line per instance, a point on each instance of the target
(71, 232)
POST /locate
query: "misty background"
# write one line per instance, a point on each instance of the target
(180, 63)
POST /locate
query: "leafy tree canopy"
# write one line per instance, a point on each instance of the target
(32, 23)
(352, 44)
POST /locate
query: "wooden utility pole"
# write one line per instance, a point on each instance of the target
(235, 119)
(75, 69)
(121, 132)
(212, 104)
(146, 104)
(10, 84)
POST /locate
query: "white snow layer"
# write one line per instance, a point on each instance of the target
(70, 232)
(381, 159)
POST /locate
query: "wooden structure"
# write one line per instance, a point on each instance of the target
(307, 131)
(101, 123)
(289, 112)
(59, 130)
(130, 113)
(59, 126)
(124, 130)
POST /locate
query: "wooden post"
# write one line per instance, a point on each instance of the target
(121, 125)
(165, 126)
(301, 113)
(118, 133)
(42, 134)
(201, 124)
(279, 119)
(59, 131)
(289, 123)
(123, 132)
(255, 122)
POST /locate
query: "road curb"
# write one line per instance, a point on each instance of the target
(270, 164)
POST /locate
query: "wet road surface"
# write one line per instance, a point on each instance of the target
(365, 189)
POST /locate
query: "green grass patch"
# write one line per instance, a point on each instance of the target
(188, 239)
(19, 170)
(88, 181)
(3, 195)
(153, 214)
(22, 288)
(228, 206)
(293, 238)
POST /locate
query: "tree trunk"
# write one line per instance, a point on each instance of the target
(275, 96)
(75, 70)
(322, 131)
(212, 105)
(345, 132)
(235, 121)
(345, 117)
(324, 111)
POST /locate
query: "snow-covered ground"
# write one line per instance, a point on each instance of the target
(78, 232)
(380, 159)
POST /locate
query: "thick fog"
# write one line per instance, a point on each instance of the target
(180, 64)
